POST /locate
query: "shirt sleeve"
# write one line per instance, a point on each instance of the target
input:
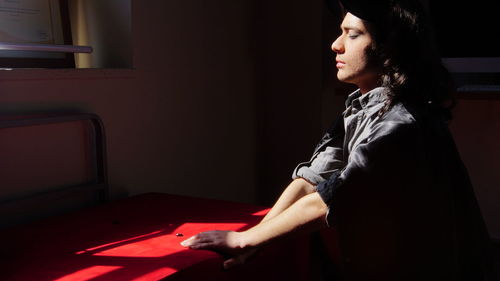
(327, 157)
(377, 161)
(321, 166)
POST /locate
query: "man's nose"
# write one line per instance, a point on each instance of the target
(337, 46)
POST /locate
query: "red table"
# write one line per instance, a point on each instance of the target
(135, 239)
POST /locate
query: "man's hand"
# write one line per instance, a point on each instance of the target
(304, 216)
(228, 243)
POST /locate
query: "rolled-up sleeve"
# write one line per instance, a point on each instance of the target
(322, 165)
(368, 163)
(327, 157)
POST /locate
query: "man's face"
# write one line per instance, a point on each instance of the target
(352, 60)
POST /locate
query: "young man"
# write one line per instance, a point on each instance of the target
(387, 174)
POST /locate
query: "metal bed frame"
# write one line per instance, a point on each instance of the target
(52, 201)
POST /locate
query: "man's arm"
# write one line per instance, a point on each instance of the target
(305, 215)
(297, 189)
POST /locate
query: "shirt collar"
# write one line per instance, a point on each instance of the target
(354, 95)
(368, 101)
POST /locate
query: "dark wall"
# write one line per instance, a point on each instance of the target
(183, 119)
(288, 93)
(476, 128)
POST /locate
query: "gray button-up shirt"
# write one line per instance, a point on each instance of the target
(332, 155)
(396, 188)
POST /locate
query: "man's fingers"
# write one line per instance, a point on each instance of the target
(196, 242)
(198, 238)
(188, 242)
(223, 242)
(201, 246)
(213, 237)
(234, 261)
(230, 263)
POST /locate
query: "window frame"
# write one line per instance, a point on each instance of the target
(68, 61)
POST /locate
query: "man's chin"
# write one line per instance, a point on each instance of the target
(344, 79)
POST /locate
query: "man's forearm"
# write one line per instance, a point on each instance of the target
(295, 190)
(305, 215)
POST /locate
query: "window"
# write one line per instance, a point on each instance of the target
(65, 34)
(35, 33)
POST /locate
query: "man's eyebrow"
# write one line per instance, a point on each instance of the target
(349, 27)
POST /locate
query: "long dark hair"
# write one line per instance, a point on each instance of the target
(405, 50)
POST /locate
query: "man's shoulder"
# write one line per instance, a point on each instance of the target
(399, 115)
(397, 119)
(413, 119)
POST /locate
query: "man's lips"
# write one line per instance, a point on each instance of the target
(340, 63)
